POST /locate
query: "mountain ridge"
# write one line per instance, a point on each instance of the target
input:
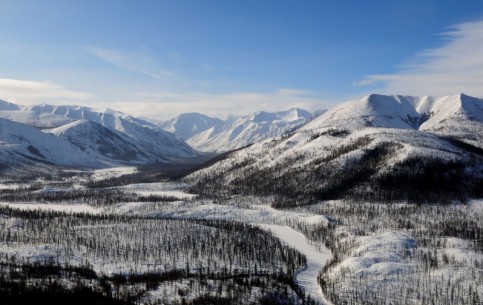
(418, 125)
(110, 138)
(213, 134)
(374, 148)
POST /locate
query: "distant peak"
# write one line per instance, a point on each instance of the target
(374, 95)
(463, 96)
(263, 116)
(383, 97)
(4, 105)
(295, 110)
(191, 115)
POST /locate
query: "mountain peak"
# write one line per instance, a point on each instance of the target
(7, 106)
(469, 99)
(188, 124)
(263, 116)
(297, 114)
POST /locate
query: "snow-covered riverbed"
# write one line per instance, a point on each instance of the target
(307, 277)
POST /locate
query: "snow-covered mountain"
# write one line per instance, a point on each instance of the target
(103, 137)
(187, 125)
(156, 144)
(23, 145)
(107, 117)
(35, 119)
(212, 134)
(457, 115)
(99, 142)
(398, 146)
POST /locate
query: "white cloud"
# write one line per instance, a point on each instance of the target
(165, 105)
(142, 62)
(455, 67)
(29, 92)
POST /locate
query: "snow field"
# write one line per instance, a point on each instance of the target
(158, 189)
(102, 174)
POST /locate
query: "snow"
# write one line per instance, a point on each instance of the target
(39, 120)
(187, 125)
(113, 172)
(158, 189)
(395, 111)
(101, 143)
(4, 105)
(476, 205)
(68, 208)
(37, 252)
(20, 142)
(379, 253)
(12, 186)
(207, 210)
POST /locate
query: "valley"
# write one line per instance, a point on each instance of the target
(241, 152)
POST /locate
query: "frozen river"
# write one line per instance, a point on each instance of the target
(307, 277)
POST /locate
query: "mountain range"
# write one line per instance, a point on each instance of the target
(379, 147)
(212, 134)
(85, 137)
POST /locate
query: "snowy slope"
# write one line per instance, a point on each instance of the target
(107, 117)
(21, 144)
(4, 105)
(210, 134)
(460, 116)
(99, 142)
(165, 145)
(34, 119)
(187, 125)
(450, 115)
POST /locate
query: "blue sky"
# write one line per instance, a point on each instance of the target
(162, 58)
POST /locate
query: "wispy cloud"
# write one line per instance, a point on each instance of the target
(455, 67)
(164, 105)
(142, 62)
(28, 92)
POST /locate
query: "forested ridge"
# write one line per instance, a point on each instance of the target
(357, 171)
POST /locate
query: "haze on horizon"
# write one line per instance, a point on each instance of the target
(158, 59)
